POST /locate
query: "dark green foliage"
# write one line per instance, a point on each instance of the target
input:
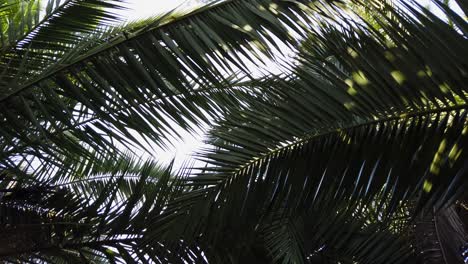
(336, 160)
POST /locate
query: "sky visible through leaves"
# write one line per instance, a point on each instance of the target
(182, 149)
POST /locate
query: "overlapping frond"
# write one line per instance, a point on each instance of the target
(17, 18)
(326, 163)
(39, 42)
(366, 112)
(138, 82)
(111, 214)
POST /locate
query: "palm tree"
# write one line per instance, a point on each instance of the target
(354, 153)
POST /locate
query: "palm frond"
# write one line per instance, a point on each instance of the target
(373, 91)
(43, 41)
(17, 18)
(330, 162)
(130, 84)
(106, 218)
(365, 113)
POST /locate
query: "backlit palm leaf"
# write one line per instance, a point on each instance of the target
(364, 114)
(139, 80)
(333, 161)
(112, 214)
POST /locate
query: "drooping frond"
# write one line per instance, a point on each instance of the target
(37, 44)
(117, 212)
(330, 162)
(366, 112)
(138, 82)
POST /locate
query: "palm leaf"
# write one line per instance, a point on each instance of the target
(44, 41)
(329, 162)
(139, 80)
(102, 218)
(364, 114)
(17, 18)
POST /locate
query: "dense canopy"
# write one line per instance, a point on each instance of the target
(336, 132)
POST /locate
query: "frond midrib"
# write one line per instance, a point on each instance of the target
(116, 41)
(123, 108)
(310, 137)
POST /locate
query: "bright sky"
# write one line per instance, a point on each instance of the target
(148, 8)
(182, 149)
(139, 9)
